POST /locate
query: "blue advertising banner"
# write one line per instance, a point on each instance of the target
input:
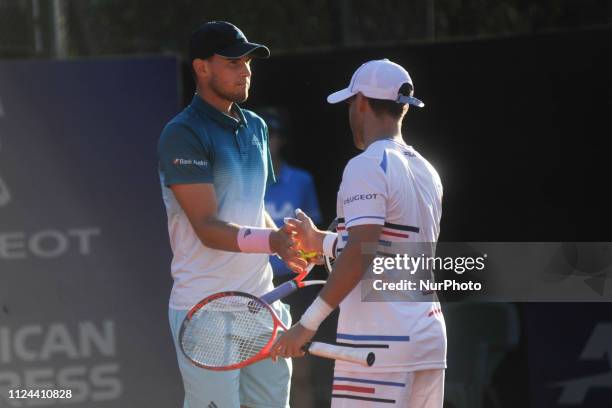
(84, 255)
(570, 354)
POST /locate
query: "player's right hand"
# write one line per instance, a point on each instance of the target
(306, 234)
(283, 244)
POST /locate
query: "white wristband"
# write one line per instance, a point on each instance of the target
(254, 240)
(315, 314)
(329, 244)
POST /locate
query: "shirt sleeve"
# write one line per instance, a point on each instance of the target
(364, 192)
(183, 159)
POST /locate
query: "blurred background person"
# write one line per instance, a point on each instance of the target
(294, 187)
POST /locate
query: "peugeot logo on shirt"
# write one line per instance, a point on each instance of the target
(370, 196)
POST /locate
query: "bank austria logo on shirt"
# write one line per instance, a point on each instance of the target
(190, 162)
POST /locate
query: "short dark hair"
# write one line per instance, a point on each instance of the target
(392, 108)
(386, 107)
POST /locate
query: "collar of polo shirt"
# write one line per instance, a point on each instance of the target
(202, 106)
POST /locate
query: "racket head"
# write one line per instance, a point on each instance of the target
(329, 261)
(228, 330)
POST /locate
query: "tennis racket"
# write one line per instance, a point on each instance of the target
(230, 330)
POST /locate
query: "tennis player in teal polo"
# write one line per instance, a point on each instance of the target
(214, 164)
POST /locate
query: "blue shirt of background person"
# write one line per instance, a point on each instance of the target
(294, 187)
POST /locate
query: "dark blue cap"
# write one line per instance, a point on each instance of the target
(224, 39)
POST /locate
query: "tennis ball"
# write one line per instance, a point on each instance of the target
(307, 255)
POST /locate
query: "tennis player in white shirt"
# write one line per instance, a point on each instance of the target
(389, 195)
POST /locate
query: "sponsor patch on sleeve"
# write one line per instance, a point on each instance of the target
(359, 197)
(190, 162)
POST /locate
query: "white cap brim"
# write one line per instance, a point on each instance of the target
(340, 96)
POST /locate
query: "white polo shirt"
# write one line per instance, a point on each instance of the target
(390, 184)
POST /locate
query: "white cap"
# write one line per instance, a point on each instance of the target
(378, 79)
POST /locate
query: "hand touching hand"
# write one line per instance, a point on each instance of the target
(308, 238)
(283, 244)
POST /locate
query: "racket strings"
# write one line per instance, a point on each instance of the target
(227, 331)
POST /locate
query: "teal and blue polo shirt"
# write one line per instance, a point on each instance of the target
(204, 145)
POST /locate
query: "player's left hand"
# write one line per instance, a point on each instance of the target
(289, 343)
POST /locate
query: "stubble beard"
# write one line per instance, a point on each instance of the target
(236, 97)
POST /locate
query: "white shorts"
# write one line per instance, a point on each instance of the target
(415, 389)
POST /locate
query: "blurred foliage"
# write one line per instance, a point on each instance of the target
(484, 17)
(15, 37)
(108, 27)
(119, 26)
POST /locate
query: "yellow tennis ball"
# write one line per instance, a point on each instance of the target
(307, 255)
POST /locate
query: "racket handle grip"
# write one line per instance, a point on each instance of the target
(280, 292)
(357, 356)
